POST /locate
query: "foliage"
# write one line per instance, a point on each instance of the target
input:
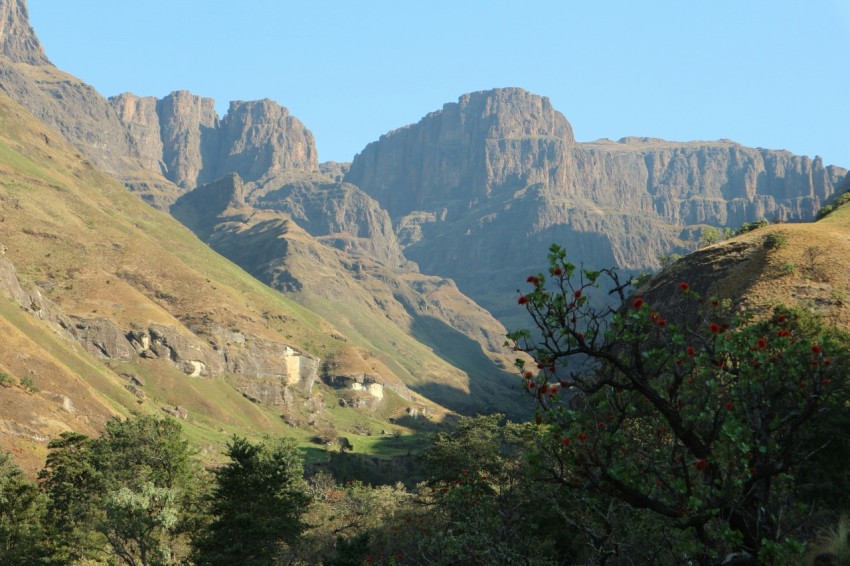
(22, 509)
(488, 503)
(698, 420)
(6, 380)
(72, 483)
(827, 209)
(135, 488)
(28, 383)
(775, 241)
(710, 235)
(257, 504)
(668, 259)
(139, 523)
(352, 521)
(750, 226)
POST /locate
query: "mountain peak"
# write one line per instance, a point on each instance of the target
(19, 42)
(514, 112)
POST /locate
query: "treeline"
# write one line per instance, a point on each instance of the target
(137, 495)
(497, 493)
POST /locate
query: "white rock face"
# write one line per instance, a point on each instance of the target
(197, 368)
(375, 390)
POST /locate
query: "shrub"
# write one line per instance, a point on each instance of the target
(6, 380)
(775, 241)
(28, 384)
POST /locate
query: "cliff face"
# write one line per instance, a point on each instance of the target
(181, 136)
(447, 158)
(18, 41)
(157, 148)
(478, 190)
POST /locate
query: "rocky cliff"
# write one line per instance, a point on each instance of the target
(478, 190)
(181, 136)
(157, 148)
(18, 42)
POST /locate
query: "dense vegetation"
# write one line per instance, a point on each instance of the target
(658, 438)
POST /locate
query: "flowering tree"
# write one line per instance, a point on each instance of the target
(700, 419)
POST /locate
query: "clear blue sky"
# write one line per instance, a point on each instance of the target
(768, 73)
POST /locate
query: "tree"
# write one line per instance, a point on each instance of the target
(22, 509)
(698, 419)
(72, 483)
(488, 502)
(710, 235)
(136, 490)
(257, 504)
(140, 523)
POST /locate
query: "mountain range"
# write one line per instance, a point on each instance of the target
(296, 294)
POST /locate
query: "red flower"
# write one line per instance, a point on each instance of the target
(816, 349)
(582, 437)
(577, 294)
(715, 303)
(557, 271)
(566, 441)
(824, 382)
(729, 405)
(684, 286)
(533, 279)
(692, 351)
(761, 343)
(522, 299)
(780, 318)
(714, 327)
(661, 323)
(543, 389)
(553, 390)
(580, 336)
(784, 332)
(527, 374)
(637, 304)
(701, 464)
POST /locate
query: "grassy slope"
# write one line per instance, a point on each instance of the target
(96, 250)
(808, 268)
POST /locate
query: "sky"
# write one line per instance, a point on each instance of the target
(764, 73)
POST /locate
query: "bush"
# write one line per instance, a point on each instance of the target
(750, 226)
(775, 241)
(28, 384)
(6, 380)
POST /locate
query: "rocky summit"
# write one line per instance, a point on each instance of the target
(18, 41)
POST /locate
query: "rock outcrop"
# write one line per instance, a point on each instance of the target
(18, 42)
(263, 367)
